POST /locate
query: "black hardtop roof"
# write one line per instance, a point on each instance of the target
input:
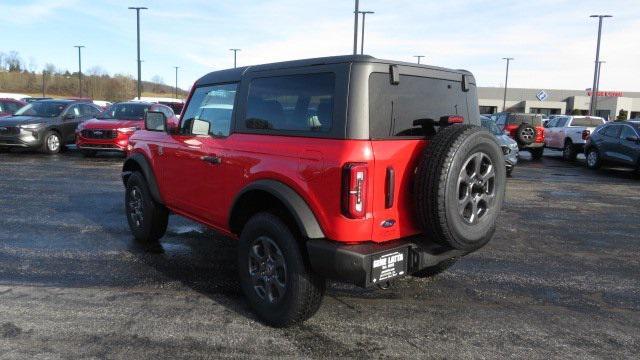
(236, 74)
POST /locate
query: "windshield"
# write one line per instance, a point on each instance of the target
(490, 125)
(125, 112)
(42, 109)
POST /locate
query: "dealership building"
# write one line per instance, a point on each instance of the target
(549, 101)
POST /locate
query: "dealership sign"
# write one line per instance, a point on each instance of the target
(542, 95)
(607, 93)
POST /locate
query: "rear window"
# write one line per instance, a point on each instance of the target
(531, 119)
(393, 108)
(587, 122)
(300, 103)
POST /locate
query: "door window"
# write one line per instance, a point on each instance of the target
(213, 104)
(612, 131)
(626, 132)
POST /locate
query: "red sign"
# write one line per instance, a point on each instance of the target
(607, 93)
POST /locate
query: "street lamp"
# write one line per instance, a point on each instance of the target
(595, 104)
(594, 89)
(79, 69)
(176, 67)
(506, 80)
(44, 73)
(355, 28)
(137, 9)
(235, 52)
(419, 57)
(364, 13)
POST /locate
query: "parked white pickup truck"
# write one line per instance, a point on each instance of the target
(570, 133)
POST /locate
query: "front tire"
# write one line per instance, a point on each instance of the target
(593, 158)
(51, 143)
(459, 188)
(278, 283)
(147, 219)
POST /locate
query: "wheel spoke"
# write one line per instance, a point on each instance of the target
(477, 164)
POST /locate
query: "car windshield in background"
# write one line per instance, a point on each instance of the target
(42, 109)
(491, 126)
(125, 112)
(587, 121)
(531, 119)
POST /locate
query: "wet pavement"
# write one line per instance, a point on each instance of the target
(559, 280)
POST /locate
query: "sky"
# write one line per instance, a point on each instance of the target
(553, 41)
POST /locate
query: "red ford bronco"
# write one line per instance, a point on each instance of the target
(347, 168)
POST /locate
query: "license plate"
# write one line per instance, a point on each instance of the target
(389, 265)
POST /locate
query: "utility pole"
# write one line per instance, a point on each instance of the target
(594, 88)
(79, 69)
(419, 57)
(137, 9)
(595, 104)
(44, 73)
(235, 52)
(176, 67)
(355, 28)
(506, 80)
(364, 13)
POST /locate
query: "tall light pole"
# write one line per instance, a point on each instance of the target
(506, 80)
(137, 9)
(595, 104)
(419, 57)
(176, 67)
(355, 28)
(594, 88)
(364, 13)
(235, 52)
(79, 69)
(44, 73)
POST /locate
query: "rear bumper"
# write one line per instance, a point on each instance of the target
(368, 264)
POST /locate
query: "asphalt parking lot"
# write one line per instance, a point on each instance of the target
(560, 278)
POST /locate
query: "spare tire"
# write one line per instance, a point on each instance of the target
(525, 134)
(459, 187)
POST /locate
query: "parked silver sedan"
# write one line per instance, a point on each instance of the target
(508, 145)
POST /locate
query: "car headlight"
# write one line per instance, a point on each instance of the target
(30, 126)
(506, 150)
(513, 145)
(128, 130)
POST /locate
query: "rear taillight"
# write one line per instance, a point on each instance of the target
(586, 134)
(539, 134)
(452, 119)
(354, 190)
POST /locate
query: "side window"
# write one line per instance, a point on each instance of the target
(213, 104)
(88, 110)
(612, 131)
(552, 123)
(11, 107)
(626, 132)
(291, 103)
(561, 122)
(73, 110)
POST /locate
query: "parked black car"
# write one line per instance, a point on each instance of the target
(615, 142)
(46, 125)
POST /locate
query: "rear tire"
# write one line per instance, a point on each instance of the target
(536, 153)
(51, 143)
(435, 270)
(569, 152)
(593, 158)
(147, 219)
(278, 283)
(459, 188)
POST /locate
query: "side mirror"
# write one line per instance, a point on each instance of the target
(633, 138)
(155, 121)
(200, 127)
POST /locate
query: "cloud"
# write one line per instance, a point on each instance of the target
(32, 12)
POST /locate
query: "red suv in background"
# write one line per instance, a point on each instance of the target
(110, 131)
(348, 168)
(526, 129)
(10, 106)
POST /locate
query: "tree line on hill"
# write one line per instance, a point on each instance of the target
(18, 76)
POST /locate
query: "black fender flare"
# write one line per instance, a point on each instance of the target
(139, 161)
(297, 206)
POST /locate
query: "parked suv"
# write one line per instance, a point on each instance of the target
(570, 133)
(110, 130)
(46, 124)
(615, 142)
(348, 168)
(525, 129)
(508, 145)
(10, 106)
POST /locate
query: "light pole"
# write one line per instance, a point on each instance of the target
(364, 13)
(79, 69)
(176, 67)
(44, 73)
(594, 88)
(419, 57)
(506, 80)
(235, 52)
(137, 9)
(595, 104)
(355, 28)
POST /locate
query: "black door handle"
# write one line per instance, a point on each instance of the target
(211, 159)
